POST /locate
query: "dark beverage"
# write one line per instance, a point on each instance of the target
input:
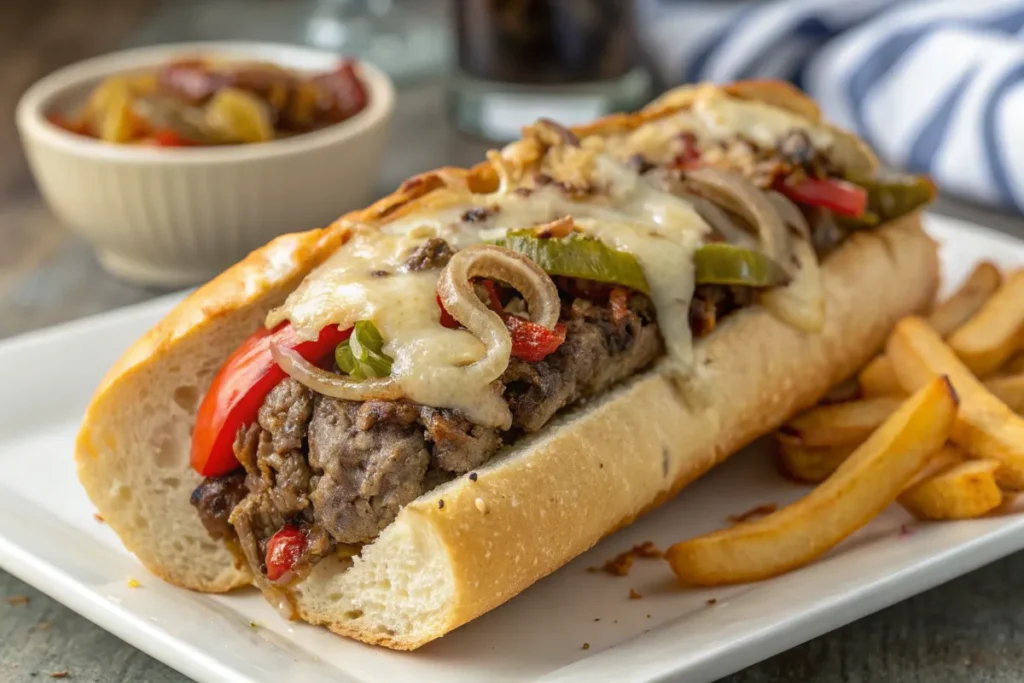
(545, 41)
(518, 60)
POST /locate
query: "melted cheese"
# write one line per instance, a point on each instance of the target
(661, 230)
(711, 119)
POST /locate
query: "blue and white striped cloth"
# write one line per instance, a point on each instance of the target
(936, 86)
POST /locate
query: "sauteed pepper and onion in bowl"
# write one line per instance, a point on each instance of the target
(200, 101)
(175, 161)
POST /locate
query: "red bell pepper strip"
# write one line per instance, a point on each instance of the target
(239, 388)
(532, 342)
(618, 299)
(492, 293)
(838, 196)
(169, 138)
(689, 158)
(283, 549)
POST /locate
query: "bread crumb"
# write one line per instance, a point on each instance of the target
(481, 505)
(99, 518)
(586, 646)
(633, 595)
(648, 549)
(623, 562)
(620, 564)
(759, 511)
(59, 674)
(17, 600)
(133, 583)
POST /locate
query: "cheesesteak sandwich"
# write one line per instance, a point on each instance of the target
(396, 423)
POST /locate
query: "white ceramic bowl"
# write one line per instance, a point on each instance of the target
(177, 216)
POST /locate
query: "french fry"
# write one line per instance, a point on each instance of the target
(871, 478)
(963, 304)
(839, 423)
(993, 334)
(964, 491)
(1015, 366)
(943, 459)
(1008, 389)
(985, 428)
(809, 464)
(878, 379)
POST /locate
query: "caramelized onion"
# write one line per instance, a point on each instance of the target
(455, 289)
(739, 196)
(790, 214)
(330, 384)
(719, 219)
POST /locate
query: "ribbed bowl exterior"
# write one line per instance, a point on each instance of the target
(177, 217)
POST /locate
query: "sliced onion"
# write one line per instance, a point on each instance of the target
(455, 289)
(330, 384)
(739, 196)
(720, 220)
(801, 303)
(790, 214)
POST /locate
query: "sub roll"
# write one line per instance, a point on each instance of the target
(394, 424)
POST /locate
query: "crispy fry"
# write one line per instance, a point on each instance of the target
(985, 428)
(993, 334)
(963, 491)
(809, 464)
(943, 459)
(839, 423)
(870, 479)
(878, 379)
(1008, 389)
(962, 305)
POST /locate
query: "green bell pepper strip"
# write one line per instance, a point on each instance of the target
(720, 263)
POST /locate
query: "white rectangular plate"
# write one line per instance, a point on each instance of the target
(49, 538)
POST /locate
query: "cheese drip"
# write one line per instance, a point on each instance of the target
(661, 230)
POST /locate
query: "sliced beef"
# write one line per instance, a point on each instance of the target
(215, 498)
(459, 445)
(711, 303)
(342, 470)
(368, 473)
(434, 253)
(597, 353)
(278, 475)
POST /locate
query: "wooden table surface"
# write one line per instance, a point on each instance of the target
(969, 630)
